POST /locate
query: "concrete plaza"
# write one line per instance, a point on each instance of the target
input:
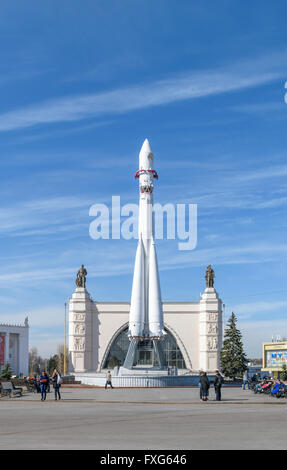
(119, 419)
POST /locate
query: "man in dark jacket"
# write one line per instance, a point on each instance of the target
(218, 381)
(44, 382)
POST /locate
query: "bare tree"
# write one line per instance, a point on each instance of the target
(36, 362)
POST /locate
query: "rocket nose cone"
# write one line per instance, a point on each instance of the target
(146, 148)
(145, 154)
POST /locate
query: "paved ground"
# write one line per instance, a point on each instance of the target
(91, 418)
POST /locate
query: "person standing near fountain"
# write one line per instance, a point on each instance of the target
(108, 380)
(44, 382)
(218, 381)
(204, 386)
(57, 381)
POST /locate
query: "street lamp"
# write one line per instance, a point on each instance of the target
(65, 364)
(223, 323)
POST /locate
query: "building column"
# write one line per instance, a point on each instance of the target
(80, 331)
(23, 351)
(210, 330)
(7, 348)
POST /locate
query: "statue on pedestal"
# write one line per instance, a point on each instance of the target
(81, 277)
(209, 276)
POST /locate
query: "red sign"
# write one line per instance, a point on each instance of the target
(2, 347)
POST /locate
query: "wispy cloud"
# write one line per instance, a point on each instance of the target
(51, 316)
(273, 171)
(225, 255)
(258, 307)
(257, 332)
(184, 87)
(261, 108)
(62, 132)
(40, 212)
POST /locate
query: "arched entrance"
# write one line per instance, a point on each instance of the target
(146, 356)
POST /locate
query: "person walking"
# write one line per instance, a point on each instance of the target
(57, 382)
(44, 381)
(245, 380)
(204, 386)
(199, 384)
(108, 379)
(218, 381)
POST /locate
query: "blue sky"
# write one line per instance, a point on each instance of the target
(82, 86)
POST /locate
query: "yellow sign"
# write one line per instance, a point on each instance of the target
(274, 356)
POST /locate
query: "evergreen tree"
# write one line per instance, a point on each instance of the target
(283, 374)
(53, 363)
(232, 357)
(6, 372)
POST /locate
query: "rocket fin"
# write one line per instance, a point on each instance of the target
(156, 325)
(136, 318)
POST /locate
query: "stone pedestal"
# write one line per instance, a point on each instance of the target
(80, 331)
(210, 330)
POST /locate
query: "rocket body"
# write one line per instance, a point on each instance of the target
(146, 315)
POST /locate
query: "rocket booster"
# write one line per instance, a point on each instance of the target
(146, 315)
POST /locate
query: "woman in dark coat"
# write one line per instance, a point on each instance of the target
(57, 381)
(204, 386)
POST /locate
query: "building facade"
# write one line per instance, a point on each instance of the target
(14, 347)
(98, 334)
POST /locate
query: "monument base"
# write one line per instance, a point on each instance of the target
(144, 380)
(130, 359)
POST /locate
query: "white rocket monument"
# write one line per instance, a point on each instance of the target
(146, 315)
